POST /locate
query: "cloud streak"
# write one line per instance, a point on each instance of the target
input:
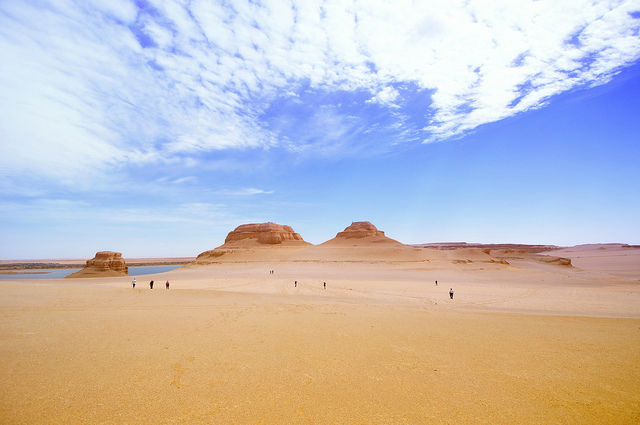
(94, 87)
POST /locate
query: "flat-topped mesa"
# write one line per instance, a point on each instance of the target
(255, 242)
(360, 229)
(105, 263)
(264, 233)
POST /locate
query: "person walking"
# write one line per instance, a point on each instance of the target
(166, 285)
(451, 293)
(151, 285)
(436, 283)
(133, 283)
(295, 284)
(325, 285)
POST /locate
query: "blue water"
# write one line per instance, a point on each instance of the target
(138, 270)
(60, 273)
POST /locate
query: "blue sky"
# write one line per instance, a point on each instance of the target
(155, 127)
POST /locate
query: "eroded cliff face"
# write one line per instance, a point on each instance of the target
(264, 233)
(105, 263)
(360, 229)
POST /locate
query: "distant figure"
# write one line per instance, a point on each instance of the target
(436, 283)
(151, 285)
(451, 293)
(166, 285)
(295, 284)
(325, 285)
(133, 282)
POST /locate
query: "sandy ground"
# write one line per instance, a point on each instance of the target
(524, 342)
(609, 259)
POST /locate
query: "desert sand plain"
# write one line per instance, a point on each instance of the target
(527, 338)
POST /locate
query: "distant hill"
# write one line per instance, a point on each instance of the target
(510, 246)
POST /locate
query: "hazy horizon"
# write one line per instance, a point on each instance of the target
(154, 128)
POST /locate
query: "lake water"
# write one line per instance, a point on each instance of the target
(60, 273)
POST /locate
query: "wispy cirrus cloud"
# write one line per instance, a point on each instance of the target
(46, 210)
(60, 227)
(245, 191)
(91, 87)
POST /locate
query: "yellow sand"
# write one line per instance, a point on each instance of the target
(231, 343)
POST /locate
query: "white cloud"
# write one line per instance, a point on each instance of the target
(187, 179)
(64, 211)
(88, 86)
(254, 191)
(247, 191)
(123, 10)
(386, 97)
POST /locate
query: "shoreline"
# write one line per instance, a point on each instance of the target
(78, 264)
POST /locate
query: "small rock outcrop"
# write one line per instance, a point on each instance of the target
(264, 233)
(105, 263)
(360, 229)
(558, 261)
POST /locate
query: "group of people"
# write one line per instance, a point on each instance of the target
(450, 291)
(133, 283)
(295, 284)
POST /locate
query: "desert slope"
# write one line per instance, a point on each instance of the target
(616, 260)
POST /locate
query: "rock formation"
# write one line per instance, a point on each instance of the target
(255, 242)
(361, 233)
(105, 263)
(264, 233)
(360, 229)
(558, 261)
